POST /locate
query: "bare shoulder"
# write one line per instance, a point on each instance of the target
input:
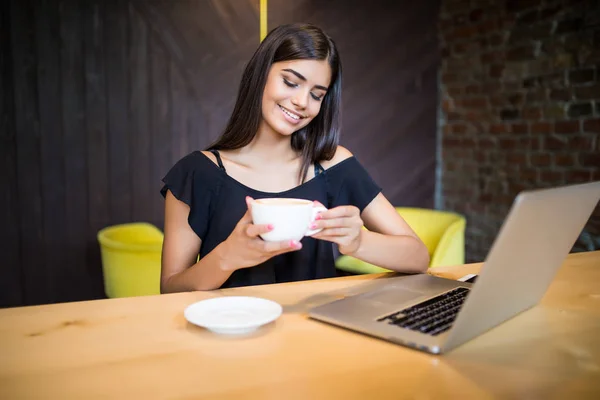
(341, 154)
(210, 156)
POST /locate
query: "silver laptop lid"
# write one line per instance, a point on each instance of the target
(534, 240)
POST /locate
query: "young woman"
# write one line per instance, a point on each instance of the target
(281, 141)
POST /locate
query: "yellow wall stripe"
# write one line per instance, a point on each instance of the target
(263, 19)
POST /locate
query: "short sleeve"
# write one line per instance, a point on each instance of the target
(190, 182)
(351, 184)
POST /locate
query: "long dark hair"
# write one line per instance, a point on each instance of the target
(319, 139)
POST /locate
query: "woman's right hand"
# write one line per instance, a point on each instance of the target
(244, 248)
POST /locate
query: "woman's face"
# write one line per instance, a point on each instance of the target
(294, 93)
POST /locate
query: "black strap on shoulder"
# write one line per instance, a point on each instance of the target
(219, 161)
(318, 169)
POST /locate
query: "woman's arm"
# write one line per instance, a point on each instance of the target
(243, 249)
(180, 272)
(390, 242)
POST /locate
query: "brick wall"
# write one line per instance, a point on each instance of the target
(520, 90)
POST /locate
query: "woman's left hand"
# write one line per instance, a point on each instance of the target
(341, 225)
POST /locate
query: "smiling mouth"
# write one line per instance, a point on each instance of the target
(291, 114)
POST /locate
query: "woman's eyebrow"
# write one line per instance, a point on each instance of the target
(301, 77)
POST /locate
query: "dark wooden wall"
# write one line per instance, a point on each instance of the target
(99, 98)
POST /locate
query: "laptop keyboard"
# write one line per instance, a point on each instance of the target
(433, 316)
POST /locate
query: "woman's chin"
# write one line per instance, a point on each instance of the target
(287, 130)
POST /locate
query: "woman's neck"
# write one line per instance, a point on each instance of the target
(270, 146)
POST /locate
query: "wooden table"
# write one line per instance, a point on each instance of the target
(143, 348)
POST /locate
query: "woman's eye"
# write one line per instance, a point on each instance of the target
(317, 98)
(288, 83)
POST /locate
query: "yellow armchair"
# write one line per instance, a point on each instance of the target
(443, 233)
(131, 259)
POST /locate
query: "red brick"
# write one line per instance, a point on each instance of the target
(588, 92)
(560, 95)
(550, 12)
(540, 160)
(552, 177)
(578, 175)
(453, 116)
(514, 6)
(472, 89)
(580, 110)
(592, 125)
(566, 127)
(521, 53)
(532, 113)
(451, 142)
(486, 27)
(590, 159)
(496, 71)
(496, 39)
(528, 175)
(476, 15)
(509, 114)
(475, 116)
(515, 187)
(498, 101)
(492, 57)
(459, 128)
(498, 129)
(449, 166)
(531, 143)
(536, 95)
(519, 129)
(485, 198)
(564, 160)
(491, 87)
(468, 143)
(554, 143)
(448, 104)
(516, 99)
(462, 32)
(508, 144)
(475, 102)
(541, 127)
(516, 158)
(454, 91)
(554, 112)
(581, 143)
(448, 77)
(459, 48)
(581, 76)
(481, 157)
(486, 143)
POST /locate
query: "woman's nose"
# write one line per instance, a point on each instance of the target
(300, 100)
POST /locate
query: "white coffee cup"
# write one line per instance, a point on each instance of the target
(290, 217)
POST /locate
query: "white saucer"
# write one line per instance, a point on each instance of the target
(232, 315)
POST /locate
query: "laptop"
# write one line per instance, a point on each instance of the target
(436, 315)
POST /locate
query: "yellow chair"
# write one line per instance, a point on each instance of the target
(443, 233)
(131, 259)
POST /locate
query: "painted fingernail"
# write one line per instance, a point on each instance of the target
(292, 243)
(270, 227)
(313, 226)
(318, 217)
